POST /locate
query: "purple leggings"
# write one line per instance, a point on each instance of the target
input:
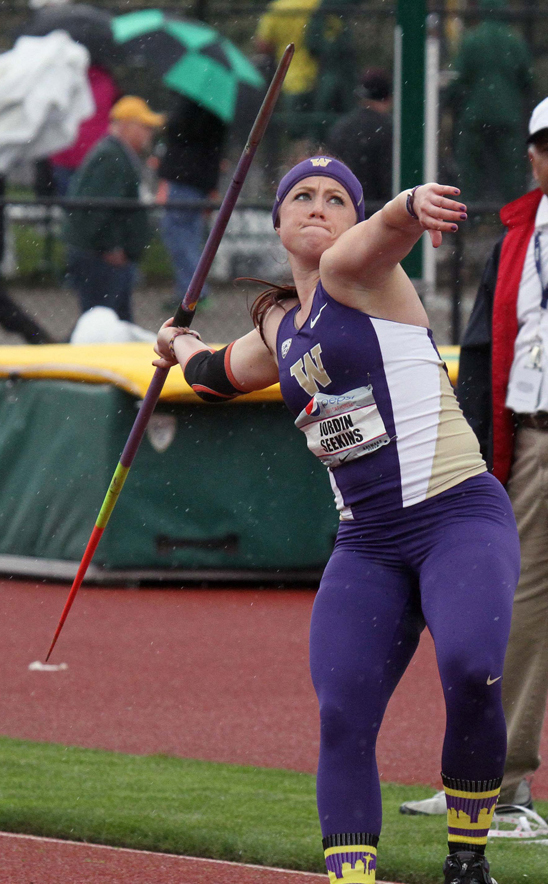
(451, 562)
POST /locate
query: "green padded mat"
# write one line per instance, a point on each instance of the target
(223, 487)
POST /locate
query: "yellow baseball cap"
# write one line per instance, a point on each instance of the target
(131, 107)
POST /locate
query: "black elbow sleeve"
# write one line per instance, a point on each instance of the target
(209, 375)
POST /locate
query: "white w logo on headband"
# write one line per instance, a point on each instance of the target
(320, 161)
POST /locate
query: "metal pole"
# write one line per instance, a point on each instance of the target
(457, 287)
(412, 22)
(431, 128)
(396, 128)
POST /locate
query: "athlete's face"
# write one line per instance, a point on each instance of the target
(538, 154)
(313, 215)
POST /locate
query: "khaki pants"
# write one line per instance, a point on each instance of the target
(525, 683)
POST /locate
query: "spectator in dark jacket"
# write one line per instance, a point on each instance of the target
(329, 39)
(104, 244)
(363, 137)
(189, 170)
(489, 97)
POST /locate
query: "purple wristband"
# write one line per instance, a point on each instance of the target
(409, 202)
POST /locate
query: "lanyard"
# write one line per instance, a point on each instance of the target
(544, 299)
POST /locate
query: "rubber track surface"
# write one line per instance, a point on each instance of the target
(27, 860)
(219, 675)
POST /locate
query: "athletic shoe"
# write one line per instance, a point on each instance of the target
(466, 867)
(435, 806)
(522, 798)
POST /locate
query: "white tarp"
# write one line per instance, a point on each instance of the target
(101, 325)
(44, 96)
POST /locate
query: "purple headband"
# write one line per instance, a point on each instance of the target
(330, 168)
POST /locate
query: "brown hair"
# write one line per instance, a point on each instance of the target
(271, 296)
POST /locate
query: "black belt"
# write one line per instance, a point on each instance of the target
(538, 421)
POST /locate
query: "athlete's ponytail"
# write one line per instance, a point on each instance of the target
(273, 295)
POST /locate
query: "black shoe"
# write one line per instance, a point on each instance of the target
(511, 809)
(466, 867)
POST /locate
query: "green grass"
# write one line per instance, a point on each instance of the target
(222, 811)
(41, 262)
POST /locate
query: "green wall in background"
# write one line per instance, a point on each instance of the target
(235, 488)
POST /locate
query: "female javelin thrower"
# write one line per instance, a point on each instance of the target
(426, 534)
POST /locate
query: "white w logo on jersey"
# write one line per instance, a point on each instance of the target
(310, 372)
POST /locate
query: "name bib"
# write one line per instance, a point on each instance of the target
(342, 427)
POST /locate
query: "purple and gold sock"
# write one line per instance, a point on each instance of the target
(351, 858)
(470, 808)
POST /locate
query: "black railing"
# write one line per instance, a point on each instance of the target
(457, 263)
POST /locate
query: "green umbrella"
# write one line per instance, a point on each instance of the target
(193, 58)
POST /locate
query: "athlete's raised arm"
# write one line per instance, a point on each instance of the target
(366, 256)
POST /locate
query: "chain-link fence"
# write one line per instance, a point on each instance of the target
(370, 23)
(34, 259)
(34, 268)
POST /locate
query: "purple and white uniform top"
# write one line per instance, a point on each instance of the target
(376, 405)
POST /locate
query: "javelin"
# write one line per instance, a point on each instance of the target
(183, 318)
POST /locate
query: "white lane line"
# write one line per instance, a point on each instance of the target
(196, 859)
(175, 856)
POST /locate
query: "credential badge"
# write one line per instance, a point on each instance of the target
(285, 347)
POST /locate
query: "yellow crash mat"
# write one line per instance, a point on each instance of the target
(128, 366)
